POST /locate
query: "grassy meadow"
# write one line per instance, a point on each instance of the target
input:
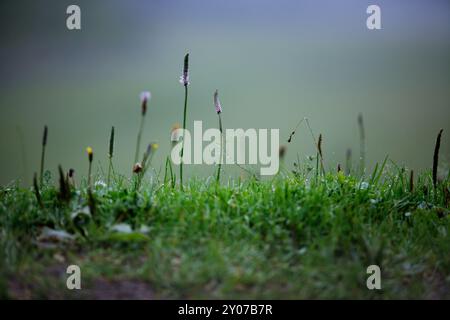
(309, 232)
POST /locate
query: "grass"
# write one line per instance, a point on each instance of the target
(290, 237)
(306, 233)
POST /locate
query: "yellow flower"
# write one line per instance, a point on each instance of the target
(90, 153)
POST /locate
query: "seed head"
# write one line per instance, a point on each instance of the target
(184, 78)
(217, 102)
(44, 136)
(111, 143)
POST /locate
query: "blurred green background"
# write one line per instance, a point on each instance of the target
(273, 62)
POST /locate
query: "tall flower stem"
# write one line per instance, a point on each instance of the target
(184, 128)
(218, 108)
(184, 80)
(138, 142)
(145, 97)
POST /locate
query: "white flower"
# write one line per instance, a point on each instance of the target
(145, 96)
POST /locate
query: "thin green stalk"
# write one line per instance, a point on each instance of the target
(89, 176)
(146, 162)
(138, 142)
(90, 158)
(36, 191)
(221, 149)
(348, 162)
(44, 144)
(111, 152)
(362, 149)
(319, 148)
(317, 167)
(184, 128)
(109, 171)
(166, 169)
